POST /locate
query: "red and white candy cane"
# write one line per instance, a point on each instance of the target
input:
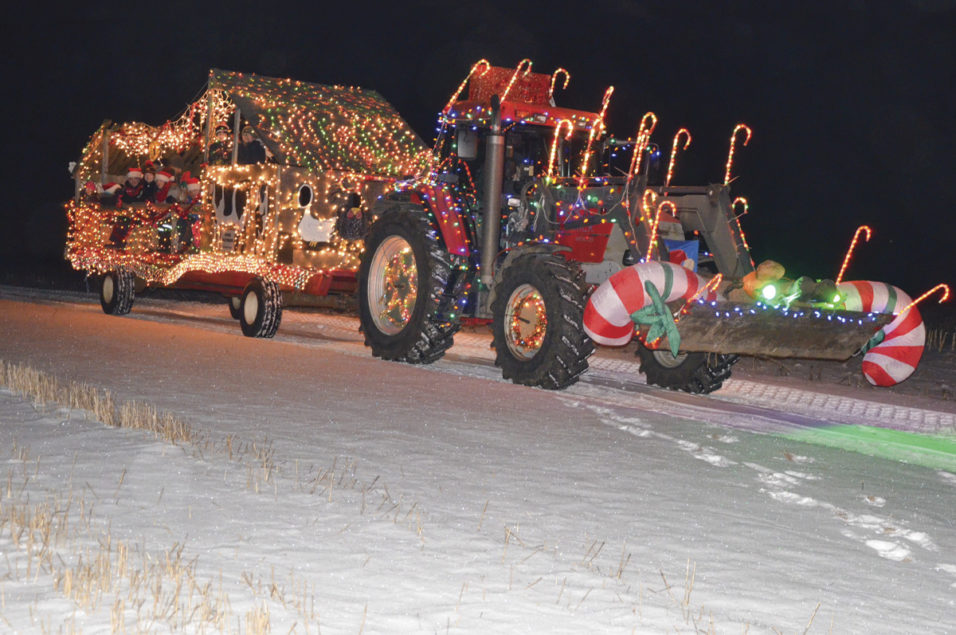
(607, 316)
(894, 358)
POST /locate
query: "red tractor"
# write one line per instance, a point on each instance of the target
(517, 219)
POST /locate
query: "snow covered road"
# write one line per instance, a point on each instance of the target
(441, 498)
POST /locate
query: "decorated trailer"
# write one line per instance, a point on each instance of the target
(262, 185)
(524, 220)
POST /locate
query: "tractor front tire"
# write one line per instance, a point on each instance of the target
(235, 306)
(260, 308)
(537, 324)
(697, 373)
(405, 311)
(117, 290)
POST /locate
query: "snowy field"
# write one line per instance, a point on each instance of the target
(307, 487)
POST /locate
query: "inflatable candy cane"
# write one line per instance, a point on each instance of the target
(607, 316)
(895, 355)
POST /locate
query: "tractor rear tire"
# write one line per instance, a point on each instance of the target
(696, 373)
(260, 308)
(117, 290)
(405, 308)
(538, 311)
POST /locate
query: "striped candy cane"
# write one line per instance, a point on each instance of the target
(894, 358)
(607, 316)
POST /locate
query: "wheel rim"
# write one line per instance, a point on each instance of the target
(665, 359)
(235, 302)
(250, 307)
(108, 289)
(526, 322)
(392, 285)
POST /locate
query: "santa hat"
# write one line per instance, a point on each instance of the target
(110, 188)
(163, 177)
(134, 173)
(192, 183)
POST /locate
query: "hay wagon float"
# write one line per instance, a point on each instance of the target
(293, 223)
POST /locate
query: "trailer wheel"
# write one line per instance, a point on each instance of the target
(235, 306)
(260, 308)
(117, 291)
(698, 373)
(538, 311)
(405, 309)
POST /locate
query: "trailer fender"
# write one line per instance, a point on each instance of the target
(894, 352)
(607, 316)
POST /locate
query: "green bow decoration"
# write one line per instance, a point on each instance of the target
(876, 340)
(658, 317)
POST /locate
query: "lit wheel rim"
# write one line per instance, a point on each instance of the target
(526, 322)
(250, 307)
(108, 289)
(392, 285)
(665, 359)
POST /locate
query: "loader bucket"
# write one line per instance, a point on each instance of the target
(723, 327)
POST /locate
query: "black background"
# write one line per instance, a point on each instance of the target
(851, 103)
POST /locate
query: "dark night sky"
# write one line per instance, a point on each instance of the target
(852, 103)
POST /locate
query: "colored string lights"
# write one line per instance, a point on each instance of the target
(849, 252)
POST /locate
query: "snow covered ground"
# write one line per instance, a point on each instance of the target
(322, 490)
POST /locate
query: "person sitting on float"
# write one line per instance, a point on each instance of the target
(251, 150)
(220, 151)
(166, 189)
(133, 189)
(149, 182)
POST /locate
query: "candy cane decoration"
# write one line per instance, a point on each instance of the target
(940, 287)
(596, 128)
(657, 220)
(733, 207)
(670, 166)
(480, 63)
(554, 77)
(514, 76)
(647, 201)
(648, 123)
(897, 348)
(607, 316)
(554, 142)
(733, 142)
(849, 252)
